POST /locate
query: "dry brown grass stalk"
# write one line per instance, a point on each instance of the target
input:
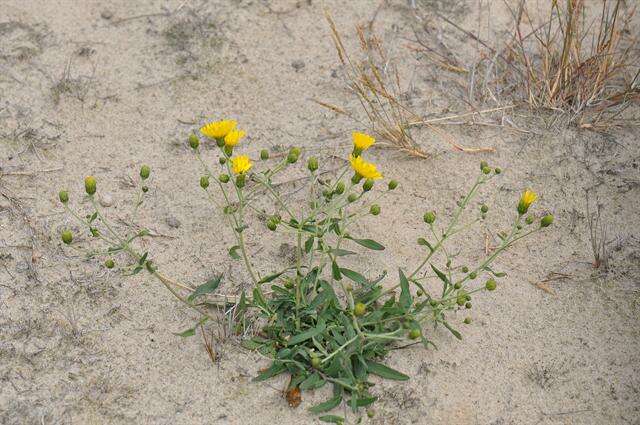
(587, 70)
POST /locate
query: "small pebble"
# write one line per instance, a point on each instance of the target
(297, 65)
(106, 200)
(173, 222)
(106, 14)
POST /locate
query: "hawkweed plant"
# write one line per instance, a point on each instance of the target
(316, 320)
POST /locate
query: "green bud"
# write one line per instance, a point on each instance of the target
(473, 275)
(461, 300)
(467, 305)
(220, 142)
(467, 321)
(529, 219)
(272, 224)
(352, 197)
(429, 217)
(359, 309)
(465, 269)
(292, 157)
(519, 226)
(355, 179)
(375, 209)
(67, 237)
(296, 151)
(228, 150)
(483, 165)
(109, 263)
(312, 164)
(240, 181)
(204, 182)
(490, 285)
(497, 170)
(486, 170)
(63, 195)
(222, 160)
(95, 232)
(419, 293)
(414, 333)
(224, 178)
(90, 185)
(457, 285)
(368, 185)
(145, 171)
(339, 188)
(546, 220)
(371, 413)
(145, 189)
(393, 184)
(194, 142)
(484, 209)
(264, 154)
(433, 303)
(316, 362)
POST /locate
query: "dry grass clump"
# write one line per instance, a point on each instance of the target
(376, 83)
(585, 68)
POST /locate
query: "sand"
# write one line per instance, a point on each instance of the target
(100, 88)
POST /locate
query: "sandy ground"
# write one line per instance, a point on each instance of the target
(102, 87)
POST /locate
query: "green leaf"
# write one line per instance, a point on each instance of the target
(405, 294)
(329, 404)
(206, 288)
(335, 271)
(143, 258)
(386, 372)
(308, 244)
(339, 252)
(191, 331)
(441, 275)
(314, 381)
(276, 368)
(271, 277)
(297, 339)
(355, 276)
(233, 252)
(93, 217)
(424, 242)
(332, 419)
(365, 401)
(259, 300)
(453, 331)
(368, 243)
(495, 273)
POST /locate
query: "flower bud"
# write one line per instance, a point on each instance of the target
(224, 178)
(228, 150)
(264, 154)
(312, 164)
(109, 263)
(484, 209)
(467, 321)
(352, 197)
(339, 188)
(63, 196)
(490, 285)
(546, 221)
(368, 185)
(94, 232)
(67, 237)
(529, 219)
(316, 362)
(414, 333)
(204, 182)
(145, 189)
(473, 275)
(240, 181)
(457, 285)
(144, 172)
(433, 303)
(467, 305)
(355, 179)
(272, 224)
(486, 170)
(220, 142)
(222, 160)
(375, 209)
(292, 157)
(392, 184)
(497, 170)
(483, 165)
(429, 217)
(90, 185)
(465, 269)
(359, 309)
(194, 142)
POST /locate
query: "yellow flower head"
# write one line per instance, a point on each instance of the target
(218, 129)
(527, 198)
(233, 137)
(363, 168)
(362, 142)
(241, 164)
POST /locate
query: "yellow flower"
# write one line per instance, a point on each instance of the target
(527, 198)
(362, 142)
(233, 137)
(241, 164)
(218, 129)
(363, 168)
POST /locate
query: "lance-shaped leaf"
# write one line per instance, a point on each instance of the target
(206, 288)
